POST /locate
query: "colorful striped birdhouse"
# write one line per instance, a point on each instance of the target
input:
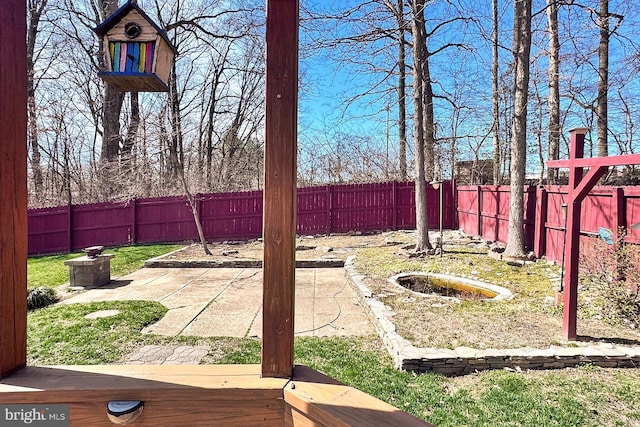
(138, 53)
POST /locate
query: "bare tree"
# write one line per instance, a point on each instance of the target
(602, 107)
(398, 11)
(521, 56)
(419, 58)
(554, 88)
(35, 10)
(495, 75)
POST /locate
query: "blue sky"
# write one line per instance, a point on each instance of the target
(465, 75)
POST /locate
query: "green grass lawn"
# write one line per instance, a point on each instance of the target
(50, 271)
(585, 396)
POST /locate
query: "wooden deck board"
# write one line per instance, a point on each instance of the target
(313, 399)
(202, 395)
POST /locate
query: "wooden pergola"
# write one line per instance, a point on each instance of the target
(580, 183)
(273, 393)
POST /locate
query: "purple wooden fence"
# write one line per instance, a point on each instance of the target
(608, 207)
(493, 204)
(232, 216)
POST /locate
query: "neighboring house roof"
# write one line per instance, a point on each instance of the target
(123, 11)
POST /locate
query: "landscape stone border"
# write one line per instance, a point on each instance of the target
(163, 261)
(464, 360)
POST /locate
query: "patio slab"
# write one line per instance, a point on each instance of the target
(228, 301)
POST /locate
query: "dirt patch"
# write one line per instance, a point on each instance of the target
(530, 319)
(307, 247)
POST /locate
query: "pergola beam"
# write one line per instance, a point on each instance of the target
(622, 160)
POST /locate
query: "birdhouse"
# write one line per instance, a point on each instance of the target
(138, 53)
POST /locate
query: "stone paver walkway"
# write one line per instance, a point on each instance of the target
(168, 355)
(228, 301)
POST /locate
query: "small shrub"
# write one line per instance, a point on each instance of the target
(613, 272)
(41, 297)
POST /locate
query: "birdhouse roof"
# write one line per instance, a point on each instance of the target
(123, 11)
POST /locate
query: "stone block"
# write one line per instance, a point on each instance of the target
(86, 272)
(466, 352)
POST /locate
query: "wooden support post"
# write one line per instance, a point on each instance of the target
(13, 186)
(572, 249)
(496, 217)
(133, 239)
(619, 213)
(329, 199)
(540, 237)
(280, 174)
(479, 209)
(578, 190)
(394, 205)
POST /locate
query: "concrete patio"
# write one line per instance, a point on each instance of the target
(228, 301)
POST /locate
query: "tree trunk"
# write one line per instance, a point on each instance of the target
(603, 79)
(176, 160)
(402, 93)
(554, 89)
(495, 95)
(36, 8)
(112, 102)
(429, 118)
(521, 57)
(132, 132)
(422, 225)
(194, 211)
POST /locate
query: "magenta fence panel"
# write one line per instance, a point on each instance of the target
(107, 224)
(163, 219)
(555, 223)
(314, 210)
(608, 207)
(449, 217)
(405, 206)
(362, 207)
(469, 209)
(49, 230)
(484, 211)
(632, 211)
(230, 216)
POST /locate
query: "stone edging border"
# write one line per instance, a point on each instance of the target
(463, 360)
(162, 262)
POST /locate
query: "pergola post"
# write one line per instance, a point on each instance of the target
(579, 186)
(13, 186)
(280, 177)
(572, 247)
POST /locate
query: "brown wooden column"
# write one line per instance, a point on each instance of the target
(280, 175)
(13, 186)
